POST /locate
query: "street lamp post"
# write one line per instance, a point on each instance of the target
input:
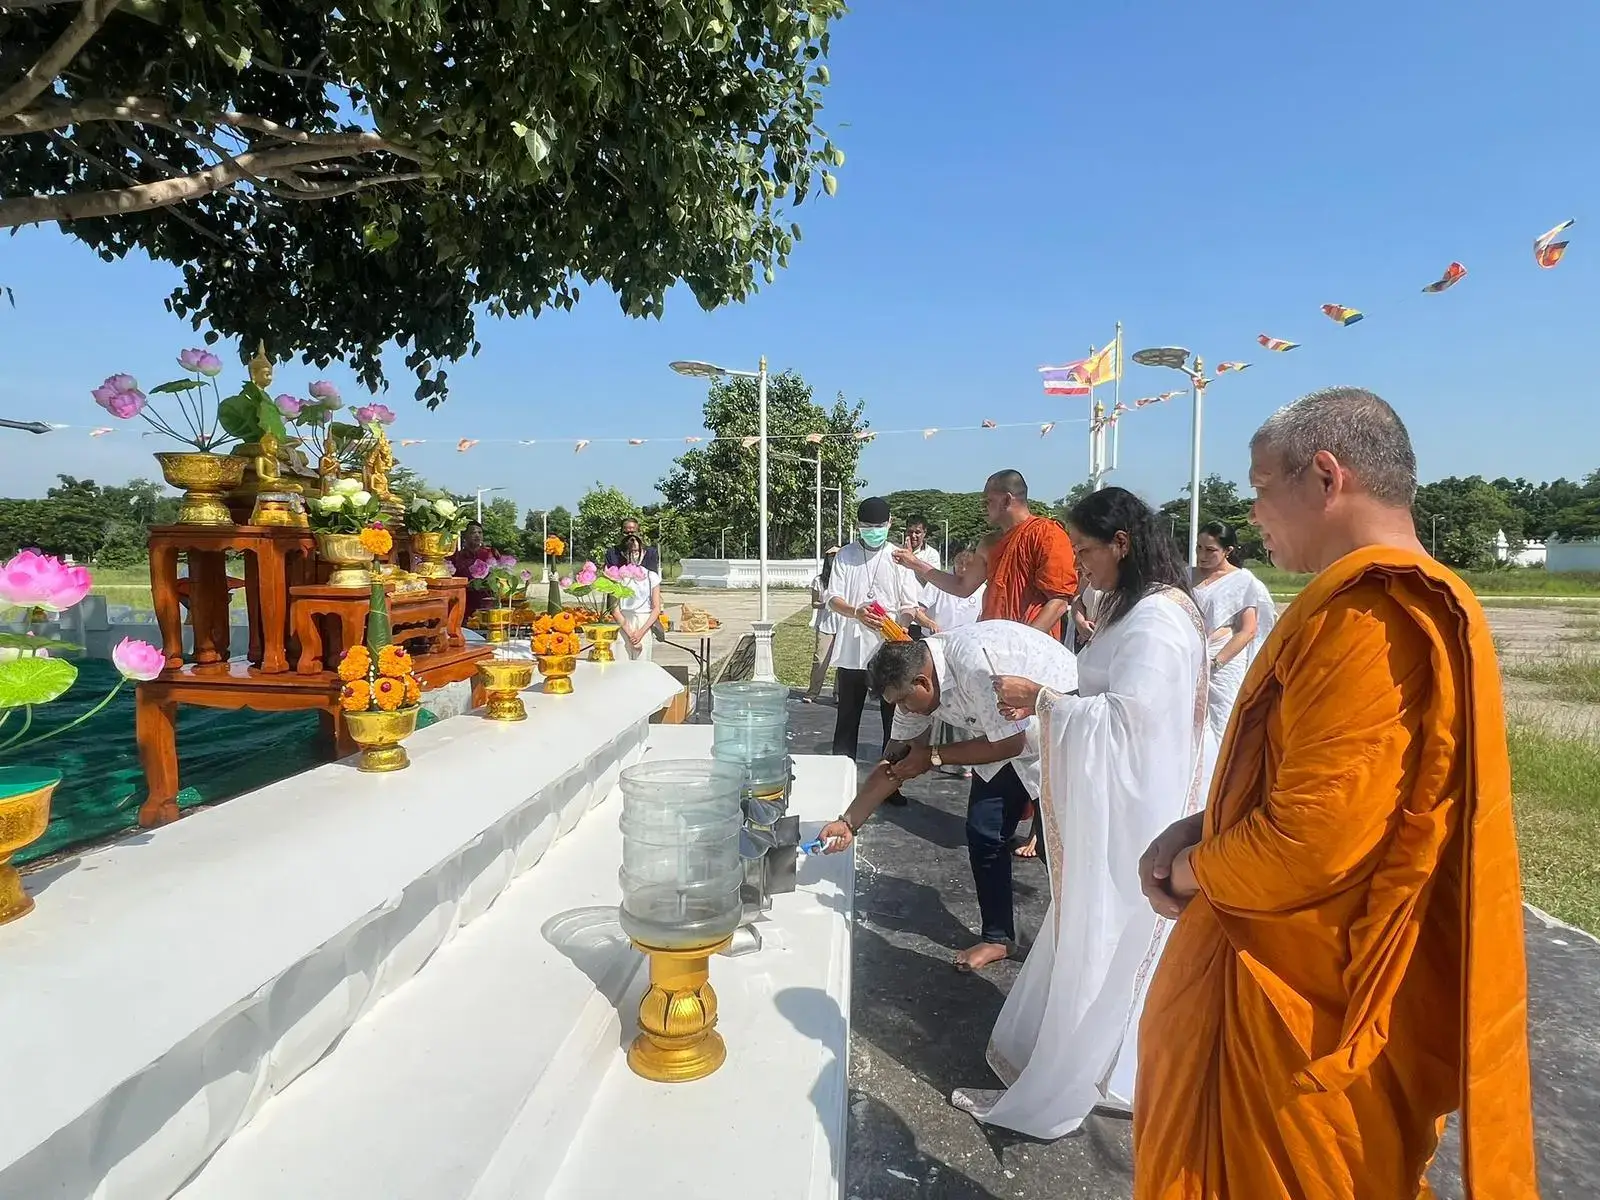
(481, 492)
(764, 672)
(722, 543)
(817, 463)
(26, 426)
(1176, 358)
(838, 526)
(1433, 535)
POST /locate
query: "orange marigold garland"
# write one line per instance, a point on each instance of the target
(378, 675)
(376, 539)
(413, 689)
(563, 622)
(394, 662)
(388, 694)
(356, 696)
(355, 664)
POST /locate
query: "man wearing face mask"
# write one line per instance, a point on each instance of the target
(865, 580)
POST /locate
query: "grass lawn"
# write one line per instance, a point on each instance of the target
(1569, 676)
(1557, 784)
(1517, 583)
(792, 646)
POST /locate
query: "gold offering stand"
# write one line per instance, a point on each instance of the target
(678, 1040)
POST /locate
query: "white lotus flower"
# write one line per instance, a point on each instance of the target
(445, 507)
(360, 499)
(330, 504)
(346, 487)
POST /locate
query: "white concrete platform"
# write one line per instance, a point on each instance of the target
(169, 986)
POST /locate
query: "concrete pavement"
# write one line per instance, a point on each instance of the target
(735, 608)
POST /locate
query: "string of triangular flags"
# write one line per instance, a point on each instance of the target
(579, 445)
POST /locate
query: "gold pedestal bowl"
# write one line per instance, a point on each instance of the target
(350, 560)
(557, 670)
(602, 634)
(204, 480)
(24, 815)
(678, 1039)
(428, 552)
(379, 735)
(504, 679)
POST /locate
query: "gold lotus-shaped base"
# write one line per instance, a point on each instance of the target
(350, 560)
(204, 479)
(678, 1040)
(557, 670)
(24, 816)
(504, 679)
(602, 634)
(379, 735)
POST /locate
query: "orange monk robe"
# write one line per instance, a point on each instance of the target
(1029, 566)
(1352, 969)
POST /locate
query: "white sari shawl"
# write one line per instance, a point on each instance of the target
(1221, 601)
(1122, 760)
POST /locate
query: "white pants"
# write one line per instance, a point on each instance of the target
(631, 623)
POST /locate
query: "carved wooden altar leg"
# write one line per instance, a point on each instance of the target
(352, 625)
(164, 599)
(273, 596)
(208, 590)
(252, 602)
(155, 726)
(309, 633)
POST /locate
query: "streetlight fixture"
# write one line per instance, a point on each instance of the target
(481, 493)
(764, 672)
(26, 426)
(722, 543)
(1176, 358)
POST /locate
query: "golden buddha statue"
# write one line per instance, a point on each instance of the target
(377, 465)
(261, 367)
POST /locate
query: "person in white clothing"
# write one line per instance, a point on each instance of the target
(917, 541)
(1239, 613)
(949, 679)
(939, 611)
(638, 611)
(824, 624)
(1122, 758)
(867, 584)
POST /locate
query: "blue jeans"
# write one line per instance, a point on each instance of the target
(994, 807)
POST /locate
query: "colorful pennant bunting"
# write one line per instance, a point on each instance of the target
(1276, 344)
(1046, 428)
(1343, 315)
(577, 447)
(465, 444)
(1453, 274)
(100, 431)
(1547, 252)
(1224, 368)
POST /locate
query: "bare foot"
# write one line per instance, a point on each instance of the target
(975, 958)
(1028, 849)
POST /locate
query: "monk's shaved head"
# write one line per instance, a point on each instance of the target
(1355, 426)
(1008, 481)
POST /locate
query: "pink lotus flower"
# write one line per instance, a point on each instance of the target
(506, 560)
(288, 405)
(478, 568)
(381, 413)
(566, 581)
(326, 394)
(632, 571)
(613, 572)
(138, 660)
(201, 362)
(120, 396)
(527, 577)
(35, 580)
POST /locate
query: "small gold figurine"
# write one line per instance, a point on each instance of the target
(261, 367)
(379, 462)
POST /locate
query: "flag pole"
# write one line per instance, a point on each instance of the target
(1096, 439)
(1116, 405)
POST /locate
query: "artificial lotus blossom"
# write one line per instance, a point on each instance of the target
(479, 568)
(35, 580)
(201, 362)
(288, 405)
(138, 660)
(326, 394)
(120, 396)
(380, 414)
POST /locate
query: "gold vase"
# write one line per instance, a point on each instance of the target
(428, 552)
(204, 479)
(678, 1039)
(557, 670)
(503, 682)
(497, 625)
(379, 735)
(24, 815)
(350, 560)
(602, 634)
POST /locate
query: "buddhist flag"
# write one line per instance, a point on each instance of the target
(635, 441)
(691, 440)
(928, 433)
(1046, 428)
(1224, 368)
(1547, 252)
(1277, 344)
(866, 435)
(748, 442)
(1343, 315)
(465, 444)
(577, 447)
(1105, 365)
(988, 424)
(100, 431)
(814, 439)
(1069, 379)
(411, 441)
(526, 442)
(1453, 274)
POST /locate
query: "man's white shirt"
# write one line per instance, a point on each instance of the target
(930, 555)
(965, 662)
(859, 577)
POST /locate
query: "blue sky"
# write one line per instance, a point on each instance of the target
(1020, 176)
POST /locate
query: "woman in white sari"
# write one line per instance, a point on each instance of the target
(1122, 760)
(1239, 613)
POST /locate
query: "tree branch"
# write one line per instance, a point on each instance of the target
(29, 210)
(49, 117)
(95, 160)
(43, 73)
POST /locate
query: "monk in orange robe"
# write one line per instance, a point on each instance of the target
(1348, 965)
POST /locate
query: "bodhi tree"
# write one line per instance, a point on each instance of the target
(335, 175)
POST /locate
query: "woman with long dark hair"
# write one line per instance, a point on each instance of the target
(1123, 759)
(1239, 613)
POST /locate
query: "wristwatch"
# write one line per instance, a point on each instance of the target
(933, 757)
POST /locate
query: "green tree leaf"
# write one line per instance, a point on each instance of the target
(21, 641)
(34, 680)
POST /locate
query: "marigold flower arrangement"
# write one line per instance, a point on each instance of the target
(377, 540)
(553, 644)
(554, 546)
(378, 675)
